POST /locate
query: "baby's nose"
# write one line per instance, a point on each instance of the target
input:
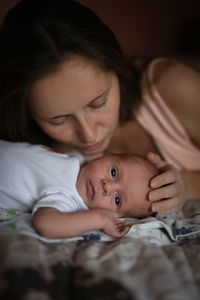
(107, 186)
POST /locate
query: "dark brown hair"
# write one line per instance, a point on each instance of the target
(36, 37)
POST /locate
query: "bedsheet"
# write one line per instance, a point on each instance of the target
(159, 258)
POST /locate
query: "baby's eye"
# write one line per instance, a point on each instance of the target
(117, 200)
(113, 172)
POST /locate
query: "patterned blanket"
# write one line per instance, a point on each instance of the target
(159, 258)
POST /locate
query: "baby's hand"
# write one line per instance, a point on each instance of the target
(168, 194)
(111, 225)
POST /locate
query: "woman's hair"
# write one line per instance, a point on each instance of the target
(36, 37)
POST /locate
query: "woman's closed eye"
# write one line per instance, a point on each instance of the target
(98, 103)
(57, 122)
(60, 120)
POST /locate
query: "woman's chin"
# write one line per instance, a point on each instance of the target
(90, 157)
(89, 152)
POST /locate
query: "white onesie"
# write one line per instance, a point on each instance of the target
(32, 176)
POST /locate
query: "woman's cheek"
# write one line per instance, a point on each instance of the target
(57, 132)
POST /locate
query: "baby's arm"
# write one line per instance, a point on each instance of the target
(53, 223)
(168, 191)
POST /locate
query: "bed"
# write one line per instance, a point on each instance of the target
(159, 258)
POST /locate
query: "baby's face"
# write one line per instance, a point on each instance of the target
(117, 183)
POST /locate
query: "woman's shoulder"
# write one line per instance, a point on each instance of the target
(174, 76)
(179, 86)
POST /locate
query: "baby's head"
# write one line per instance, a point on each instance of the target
(119, 182)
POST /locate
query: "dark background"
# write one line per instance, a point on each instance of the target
(147, 28)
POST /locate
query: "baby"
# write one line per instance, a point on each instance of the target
(68, 196)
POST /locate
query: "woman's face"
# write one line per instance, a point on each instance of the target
(78, 106)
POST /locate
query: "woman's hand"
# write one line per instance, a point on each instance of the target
(168, 192)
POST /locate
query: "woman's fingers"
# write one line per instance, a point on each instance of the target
(169, 176)
(167, 194)
(167, 191)
(156, 160)
(169, 206)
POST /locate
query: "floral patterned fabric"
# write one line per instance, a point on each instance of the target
(162, 229)
(158, 259)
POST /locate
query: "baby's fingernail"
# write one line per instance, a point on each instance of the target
(153, 208)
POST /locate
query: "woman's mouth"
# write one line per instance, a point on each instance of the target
(93, 148)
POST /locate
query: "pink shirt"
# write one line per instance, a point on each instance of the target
(168, 134)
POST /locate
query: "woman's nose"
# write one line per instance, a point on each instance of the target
(86, 130)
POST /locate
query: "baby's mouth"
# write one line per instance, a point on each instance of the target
(90, 190)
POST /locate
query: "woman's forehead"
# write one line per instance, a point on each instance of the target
(76, 83)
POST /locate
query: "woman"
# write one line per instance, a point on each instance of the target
(64, 83)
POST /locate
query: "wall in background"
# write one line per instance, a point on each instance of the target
(147, 27)
(152, 27)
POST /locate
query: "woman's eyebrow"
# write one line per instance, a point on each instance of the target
(89, 103)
